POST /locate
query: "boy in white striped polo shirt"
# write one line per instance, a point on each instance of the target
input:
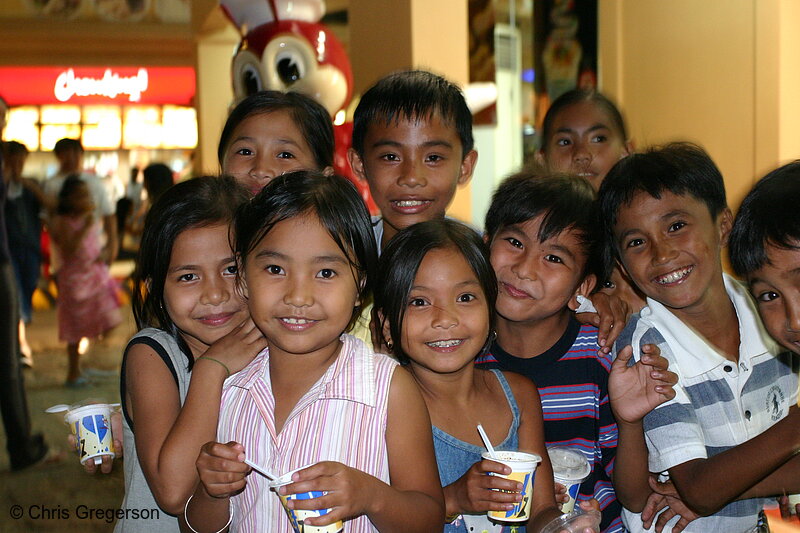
(728, 440)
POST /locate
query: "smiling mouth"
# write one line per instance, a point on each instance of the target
(297, 323)
(674, 277)
(409, 206)
(217, 319)
(445, 345)
(513, 291)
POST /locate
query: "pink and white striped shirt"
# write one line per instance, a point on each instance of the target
(341, 418)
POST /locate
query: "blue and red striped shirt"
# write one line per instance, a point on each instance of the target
(573, 384)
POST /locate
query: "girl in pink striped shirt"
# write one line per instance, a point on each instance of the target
(318, 400)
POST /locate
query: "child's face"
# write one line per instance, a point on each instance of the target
(301, 287)
(670, 248)
(413, 168)
(265, 145)
(446, 321)
(776, 288)
(585, 142)
(537, 280)
(199, 291)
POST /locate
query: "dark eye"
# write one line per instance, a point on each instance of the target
(563, 142)
(767, 296)
(290, 67)
(553, 258)
(326, 273)
(675, 226)
(634, 242)
(467, 297)
(232, 269)
(416, 302)
(513, 242)
(274, 269)
(599, 139)
(285, 155)
(434, 158)
(244, 151)
(187, 277)
(609, 285)
(390, 157)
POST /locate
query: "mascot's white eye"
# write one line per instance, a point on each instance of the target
(247, 76)
(287, 60)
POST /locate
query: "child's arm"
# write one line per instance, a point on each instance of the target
(413, 501)
(611, 315)
(707, 485)
(222, 473)
(634, 391)
(168, 437)
(531, 439)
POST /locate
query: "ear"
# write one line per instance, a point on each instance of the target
(630, 147)
(538, 157)
(356, 164)
(585, 289)
(725, 223)
(327, 171)
(468, 167)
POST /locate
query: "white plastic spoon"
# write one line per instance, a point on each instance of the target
(261, 469)
(487, 442)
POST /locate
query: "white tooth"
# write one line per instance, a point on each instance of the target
(409, 203)
(295, 320)
(672, 277)
(445, 344)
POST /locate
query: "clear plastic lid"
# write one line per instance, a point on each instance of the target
(569, 463)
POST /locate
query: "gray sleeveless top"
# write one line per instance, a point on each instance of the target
(141, 512)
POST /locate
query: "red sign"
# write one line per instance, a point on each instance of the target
(90, 85)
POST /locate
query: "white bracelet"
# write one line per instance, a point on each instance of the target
(186, 516)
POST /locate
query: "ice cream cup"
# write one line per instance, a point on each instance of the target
(574, 522)
(523, 469)
(91, 425)
(298, 516)
(570, 468)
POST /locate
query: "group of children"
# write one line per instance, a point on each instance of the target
(247, 286)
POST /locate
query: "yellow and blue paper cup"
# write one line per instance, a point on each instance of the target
(91, 425)
(296, 516)
(523, 469)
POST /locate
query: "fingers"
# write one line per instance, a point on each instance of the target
(623, 356)
(221, 468)
(590, 504)
(663, 518)
(487, 465)
(655, 502)
(107, 464)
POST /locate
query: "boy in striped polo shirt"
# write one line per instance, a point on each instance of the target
(728, 440)
(543, 231)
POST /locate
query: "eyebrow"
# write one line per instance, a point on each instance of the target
(179, 268)
(665, 216)
(593, 128)
(272, 254)
(274, 141)
(427, 144)
(459, 284)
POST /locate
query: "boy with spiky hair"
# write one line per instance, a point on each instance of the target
(729, 439)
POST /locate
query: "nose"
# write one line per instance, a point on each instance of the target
(793, 314)
(298, 293)
(525, 268)
(263, 171)
(412, 174)
(444, 317)
(663, 251)
(216, 291)
(581, 155)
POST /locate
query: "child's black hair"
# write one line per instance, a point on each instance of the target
(311, 118)
(72, 183)
(333, 200)
(196, 203)
(400, 262)
(413, 95)
(576, 96)
(564, 201)
(158, 178)
(13, 148)
(680, 168)
(768, 215)
(66, 144)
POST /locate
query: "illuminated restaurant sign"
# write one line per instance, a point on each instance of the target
(104, 85)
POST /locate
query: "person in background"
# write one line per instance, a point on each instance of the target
(23, 206)
(87, 302)
(24, 449)
(69, 153)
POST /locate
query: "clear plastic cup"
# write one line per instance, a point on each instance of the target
(570, 468)
(523, 469)
(298, 516)
(578, 521)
